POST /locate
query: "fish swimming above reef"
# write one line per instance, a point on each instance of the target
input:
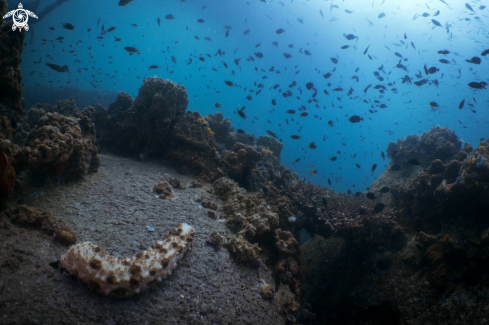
(478, 85)
(131, 50)
(355, 119)
(68, 26)
(474, 60)
(58, 68)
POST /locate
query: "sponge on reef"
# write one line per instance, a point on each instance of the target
(124, 277)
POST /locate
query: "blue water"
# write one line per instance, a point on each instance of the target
(105, 66)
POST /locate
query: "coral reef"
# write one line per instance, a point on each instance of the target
(243, 251)
(124, 277)
(286, 243)
(245, 213)
(143, 126)
(60, 146)
(11, 47)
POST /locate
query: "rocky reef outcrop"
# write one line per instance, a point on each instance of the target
(60, 146)
(143, 126)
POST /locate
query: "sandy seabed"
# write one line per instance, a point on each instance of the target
(111, 209)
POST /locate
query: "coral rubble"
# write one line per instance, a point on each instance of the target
(124, 277)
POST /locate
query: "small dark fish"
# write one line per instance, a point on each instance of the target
(350, 36)
(290, 111)
(259, 55)
(68, 26)
(478, 85)
(300, 20)
(159, 21)
(309, 85)
(52, 28)
(434, 104)
(313, 171)
(287, 55)
(274, 102)
(444, 52)
(295, 137)
(58, 68)
(329, 181)
(280, 31)
(381, 15)
(334, 60)
(217, 105)
(469, 7)
(485, 52)
(153, 67)
(240, 131)
(333, 158)
(241, 113)
(355, 119)
(433, 70)
(124, 2)
(246, 32)
(330, 123)
(303, 114)
(474, 60)
(131, 49)
(229, 83)
(312, 145)
(358, 166)
(169, 17)
(436, 22)
(272, 134)
(200, 21)
(461, 105)
(373, 168)
(382, 155)
(384, 189)
(111, 29)
(365, 52)
(444, 61)
(345, 47)
(173, 59)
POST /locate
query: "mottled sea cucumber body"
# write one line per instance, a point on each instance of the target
(124, 277)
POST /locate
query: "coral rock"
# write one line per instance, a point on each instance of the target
(164, 191)
(243, 250)
(59, 146)
(286, 243)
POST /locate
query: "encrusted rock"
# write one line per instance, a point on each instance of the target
(286, 243)
(243, 250)
(58, 145)
(164, 191)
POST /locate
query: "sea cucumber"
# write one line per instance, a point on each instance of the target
(124, 277)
